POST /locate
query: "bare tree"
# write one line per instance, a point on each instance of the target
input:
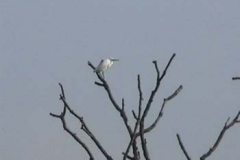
(139, 130)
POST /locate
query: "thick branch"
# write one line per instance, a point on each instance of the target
(182, 147)
(144, 144)
(220, 136)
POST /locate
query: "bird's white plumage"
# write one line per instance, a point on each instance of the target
(105, 64)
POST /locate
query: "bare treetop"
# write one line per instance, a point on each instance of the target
(133, 150)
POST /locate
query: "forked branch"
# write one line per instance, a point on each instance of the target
(220, 136)
(103, 83)
(137, 117)
(84, 127)
(150, 100)
(226, 127)
(160, 114)
(121, 110)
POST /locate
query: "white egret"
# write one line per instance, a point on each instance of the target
(105, 64)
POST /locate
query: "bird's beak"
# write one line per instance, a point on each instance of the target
(115, 59)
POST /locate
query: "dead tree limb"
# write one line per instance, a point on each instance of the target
(150, 100)
(84, 127)
(235, 78)
(226, 127)
(133, 137)
(139, 117)
(165, 100)
(109, 92)
(117, 107)
(183, 148)
(74, 135)
(220, 136)
(103, 83)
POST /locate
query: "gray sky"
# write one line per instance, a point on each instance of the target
(46, 42)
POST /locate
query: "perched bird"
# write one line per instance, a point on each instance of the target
(105, 64)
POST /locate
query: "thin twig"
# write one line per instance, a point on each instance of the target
(183, 148)
(99, 84)
(134, 115)
(123, 104)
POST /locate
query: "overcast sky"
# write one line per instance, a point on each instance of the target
(46, 42)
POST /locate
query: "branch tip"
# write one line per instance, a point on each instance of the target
(182, 147)
(235, 78)
(99, 84)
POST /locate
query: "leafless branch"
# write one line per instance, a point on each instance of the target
(128, 157)
(226, 126)
(220, 136)
(134, 115)
(88, 132)
(235, 78)
(150, 100)
(137, 117)
(123, 104)
(144, 145)
(158, 82)
(139, 128)
(62, 90)
(117, 107)
(99, 84)
(74, 135)
(148, 129)
(120, 110)
(182, 147)
(84, 127)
